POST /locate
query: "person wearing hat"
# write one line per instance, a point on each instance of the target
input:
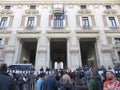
(111, 83)
(40, 81)
(6, 82)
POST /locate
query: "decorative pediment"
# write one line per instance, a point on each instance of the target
(110, 11)
(31, 11)
(84, 11)
(4, 11)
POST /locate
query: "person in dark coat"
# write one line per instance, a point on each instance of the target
(66, 83)
(50, 83)
(6, 82)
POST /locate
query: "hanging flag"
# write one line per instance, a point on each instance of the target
(52, 13)
(63, 13)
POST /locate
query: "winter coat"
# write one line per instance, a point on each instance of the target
(50, 84)
(92, 84)
(6, 82)
(67, 86)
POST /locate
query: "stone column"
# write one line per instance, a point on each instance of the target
(106, 49)
(10, 50)
(42, 57)
(74, 58)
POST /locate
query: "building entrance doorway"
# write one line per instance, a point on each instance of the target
(28, 51)
(88, 52)
(58, 53)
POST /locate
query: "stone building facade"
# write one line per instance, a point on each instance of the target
(72, 33)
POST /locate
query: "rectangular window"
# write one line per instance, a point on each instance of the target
(7, 7)
(83, 6)
(30, 22)
(85, 21)
(3, 23)
(112, 22)
(108, 6)
(58, 21)
(117, 40)
(32, 7)
(0, 41)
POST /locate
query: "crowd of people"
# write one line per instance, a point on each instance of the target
(61, 79)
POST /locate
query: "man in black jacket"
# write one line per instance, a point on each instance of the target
(6, 82)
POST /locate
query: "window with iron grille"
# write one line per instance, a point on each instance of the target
(112, 22)
(7, 7)
(32, 7)
(108, 6)
(3, 23)
(58, 21)
(85, 21)
(83, 6)
(30, 22)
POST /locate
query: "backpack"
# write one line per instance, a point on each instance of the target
(98, 84)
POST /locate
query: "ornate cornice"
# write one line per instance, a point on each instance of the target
(87, 33)
(18, 2)
(58, 33)
(28, 33)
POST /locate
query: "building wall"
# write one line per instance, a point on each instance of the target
(73, 30)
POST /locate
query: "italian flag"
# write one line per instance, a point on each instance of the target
(52, 13)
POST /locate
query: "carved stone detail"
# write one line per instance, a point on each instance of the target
(110, 11)
(31, 11)
(4, 11)
(84, 11)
